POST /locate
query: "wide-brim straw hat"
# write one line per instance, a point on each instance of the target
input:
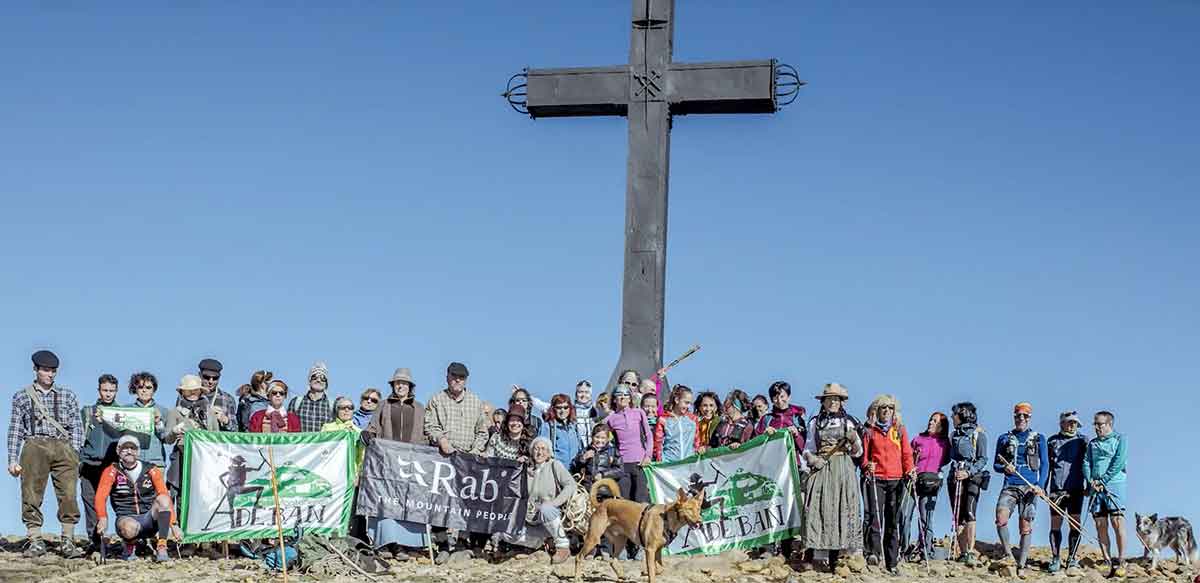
(834, 390)
(190, 382)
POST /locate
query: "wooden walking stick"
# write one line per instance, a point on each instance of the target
(278, 512)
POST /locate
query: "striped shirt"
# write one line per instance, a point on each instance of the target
(312, 414)
(62, 405)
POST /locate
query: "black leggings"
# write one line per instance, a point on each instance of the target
(883, 501)
(634, 487)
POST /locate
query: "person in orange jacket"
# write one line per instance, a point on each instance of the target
(887, 462)
(139, 497)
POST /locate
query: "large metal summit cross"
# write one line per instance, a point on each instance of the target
(649, 91)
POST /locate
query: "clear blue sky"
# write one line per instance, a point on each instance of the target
(992, 201)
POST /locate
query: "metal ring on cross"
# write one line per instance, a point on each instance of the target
(516, 94)
(787, 84)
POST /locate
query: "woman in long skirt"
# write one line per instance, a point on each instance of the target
(833, 516)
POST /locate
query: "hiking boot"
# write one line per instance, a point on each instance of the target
(893, 571)
(160, 552)
(1054, 565)
(441, 557)
(69, 550)
(1118, 570)
(970, 560)
(1073, 564)
(561, 554)
(36, 547)
(872, 561)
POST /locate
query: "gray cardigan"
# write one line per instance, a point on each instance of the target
(550, 483)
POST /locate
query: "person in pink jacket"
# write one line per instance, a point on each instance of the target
(932, 450)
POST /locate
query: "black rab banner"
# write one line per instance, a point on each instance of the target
(416, 483)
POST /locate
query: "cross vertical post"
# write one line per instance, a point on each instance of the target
(649, 90)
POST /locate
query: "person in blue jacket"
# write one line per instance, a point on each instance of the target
(1021, 457)
(561, 429)
(1104, 473)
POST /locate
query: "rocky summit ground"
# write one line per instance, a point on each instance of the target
(731, 567)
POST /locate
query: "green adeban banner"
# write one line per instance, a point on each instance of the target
(129, 419)
(753, 495)
(227, 493)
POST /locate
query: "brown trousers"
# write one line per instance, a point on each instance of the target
(43, 458)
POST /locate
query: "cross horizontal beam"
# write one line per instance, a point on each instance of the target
(688, 88)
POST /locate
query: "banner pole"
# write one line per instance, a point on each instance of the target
(278, 513)
(429, 540)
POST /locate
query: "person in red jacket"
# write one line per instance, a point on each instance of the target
(275, 419)
(139, 497)
(887, 461)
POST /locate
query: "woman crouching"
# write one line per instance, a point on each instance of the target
(550, 488)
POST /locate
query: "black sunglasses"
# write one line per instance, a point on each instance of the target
(210, 377)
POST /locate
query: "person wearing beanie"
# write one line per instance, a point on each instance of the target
(45, 435)
(1021, 456)
(1065, 452)
(313, 408)
(139, 498)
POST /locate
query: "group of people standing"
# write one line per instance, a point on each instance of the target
(862, 480)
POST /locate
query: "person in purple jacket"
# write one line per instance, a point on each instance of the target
(931, 449)
(634, 441)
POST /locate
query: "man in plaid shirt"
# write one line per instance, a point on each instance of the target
(210, 378)
(44, 438)
(313, 408)
(456, 420)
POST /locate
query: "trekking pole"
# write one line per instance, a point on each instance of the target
(103, 549)
(876, 520)
(1053, 506)
(682, 357)
(278, 513)
(954, 517)
(912, 487)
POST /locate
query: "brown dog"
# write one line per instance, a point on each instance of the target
(650, 526)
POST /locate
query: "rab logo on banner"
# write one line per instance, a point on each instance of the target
(227, 493)
(484, 489)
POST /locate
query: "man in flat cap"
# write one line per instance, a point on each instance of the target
(223, 403)
(456, 420)
(44, 439)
